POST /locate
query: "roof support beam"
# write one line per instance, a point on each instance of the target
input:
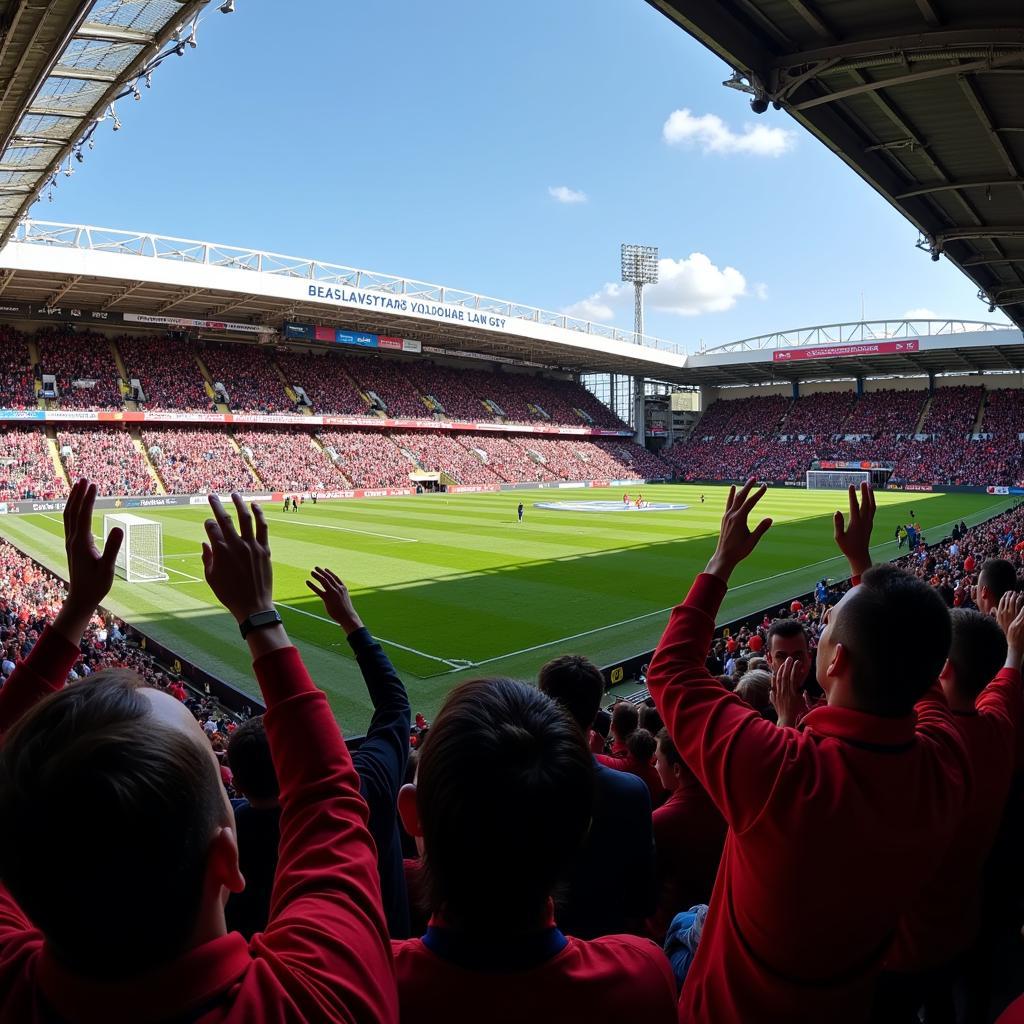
(63, 290)
(84, 74)
(961, 186)
(994, 231)
(113, 34)
(928, 13)
(898, 50)
(182, 296)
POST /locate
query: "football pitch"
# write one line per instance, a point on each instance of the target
(455, 587)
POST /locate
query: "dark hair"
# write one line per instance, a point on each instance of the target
(785, 628)
(999, 576)
(602, 723)
(897, 631)
(667, 749)
(250, 761)
(641, 744)
(102, 806)
(576, 683)
(625, 719)
(650, 719)
(504, 791)
(978, 650)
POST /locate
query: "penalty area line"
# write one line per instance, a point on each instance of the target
(454, 664)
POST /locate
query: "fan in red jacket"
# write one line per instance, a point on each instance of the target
(502, 802)
(117, 845)
(862, 796)
(944, 920)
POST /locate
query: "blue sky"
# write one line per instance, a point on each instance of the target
(435, 140)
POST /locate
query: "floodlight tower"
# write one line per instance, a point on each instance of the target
(639, 267)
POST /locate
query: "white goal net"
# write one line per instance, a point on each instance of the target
(836, 479)
(141, 558)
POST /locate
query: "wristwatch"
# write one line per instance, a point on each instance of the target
(259, 620)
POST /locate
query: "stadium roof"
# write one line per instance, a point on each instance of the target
(924, 99)
(63, 66)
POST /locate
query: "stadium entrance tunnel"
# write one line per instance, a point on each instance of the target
(609, 506)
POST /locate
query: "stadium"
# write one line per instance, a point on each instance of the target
(500, 485)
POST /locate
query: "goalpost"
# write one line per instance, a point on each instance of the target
(836, 479)
(141, 558)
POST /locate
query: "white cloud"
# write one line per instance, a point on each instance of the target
(761, 290)
(921, 313)
(564, 194)
(686, 287)
(713, 135)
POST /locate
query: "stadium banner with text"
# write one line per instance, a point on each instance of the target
(472, 488)
(291, 419)
(866, 348)
(187, 323)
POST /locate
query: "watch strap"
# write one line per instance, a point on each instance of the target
(259, 620)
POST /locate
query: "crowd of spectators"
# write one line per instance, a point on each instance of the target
(441, 452)
(288, 460)
(248, 376)
(386, 380)
(196, 460)
(80, 356)
(369, 458)
(888, 412)
(26, 466)
(821, 414)
(17, 381)
(505, 459)
(107, 456)
(168, 372)
(327, 385)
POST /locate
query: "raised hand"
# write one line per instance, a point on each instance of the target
(90, 573)
(1014, 635)
(854, 538)
(1010, 605)
(736, 540)
(237, 562)
(336, 598)
(786, 696)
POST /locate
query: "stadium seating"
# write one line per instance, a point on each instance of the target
(821, 414)
(108, 458)
(287, 460)
(368, 458)
(442, 452)
(80, 356)
(197, 460)
(386, 380)
(252, 383)
(325, 381)
(888, 411)
(505, 459)
(168, 372)
(26, 466)
(16, 378)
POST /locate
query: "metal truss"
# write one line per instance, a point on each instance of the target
(183, 250)
(858, 331)
(112, 47)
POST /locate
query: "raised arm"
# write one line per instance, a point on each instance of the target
(326, 940)
(853, 538)
(736, 754)
(90, 576)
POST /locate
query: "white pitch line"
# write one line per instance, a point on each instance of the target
(662, 611)
(346, 529)
(453, 665)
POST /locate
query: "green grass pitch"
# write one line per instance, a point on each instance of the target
(455, 587)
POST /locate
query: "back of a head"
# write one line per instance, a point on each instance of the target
(576, 683)
(998, 576)
(896, 630)
(755, 688)
(641, 745)
(106, 815)
(504, 793)
(978, 650)
(650, 719)
(250, 761)
(625, 719)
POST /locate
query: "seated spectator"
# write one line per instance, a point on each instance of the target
(619, 840)
(982, 682)
(818, 795)
(754, 688)
(625, 721)
(151, 828)
(500, 808)
(689, 834)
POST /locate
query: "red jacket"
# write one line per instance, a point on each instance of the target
(646, 771)
(617, 978)
(945, 918)
(857, 802)
(688, 837)
(325, 955)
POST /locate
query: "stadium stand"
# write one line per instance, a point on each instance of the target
(327, 385)
(385, 380)
(168, 372)
(249, 378)
(16, 377)
(26, 466)
(108, 457)
(368, 459)
(80, 358)
(197, 460)
(436, 452)
(288, 460)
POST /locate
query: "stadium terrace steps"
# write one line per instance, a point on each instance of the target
(136, 435)
(233, 441)
(319, 445)
(925, 412)
(208, 385)
(54, 449)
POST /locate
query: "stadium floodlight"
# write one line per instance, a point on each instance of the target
(639, 267)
